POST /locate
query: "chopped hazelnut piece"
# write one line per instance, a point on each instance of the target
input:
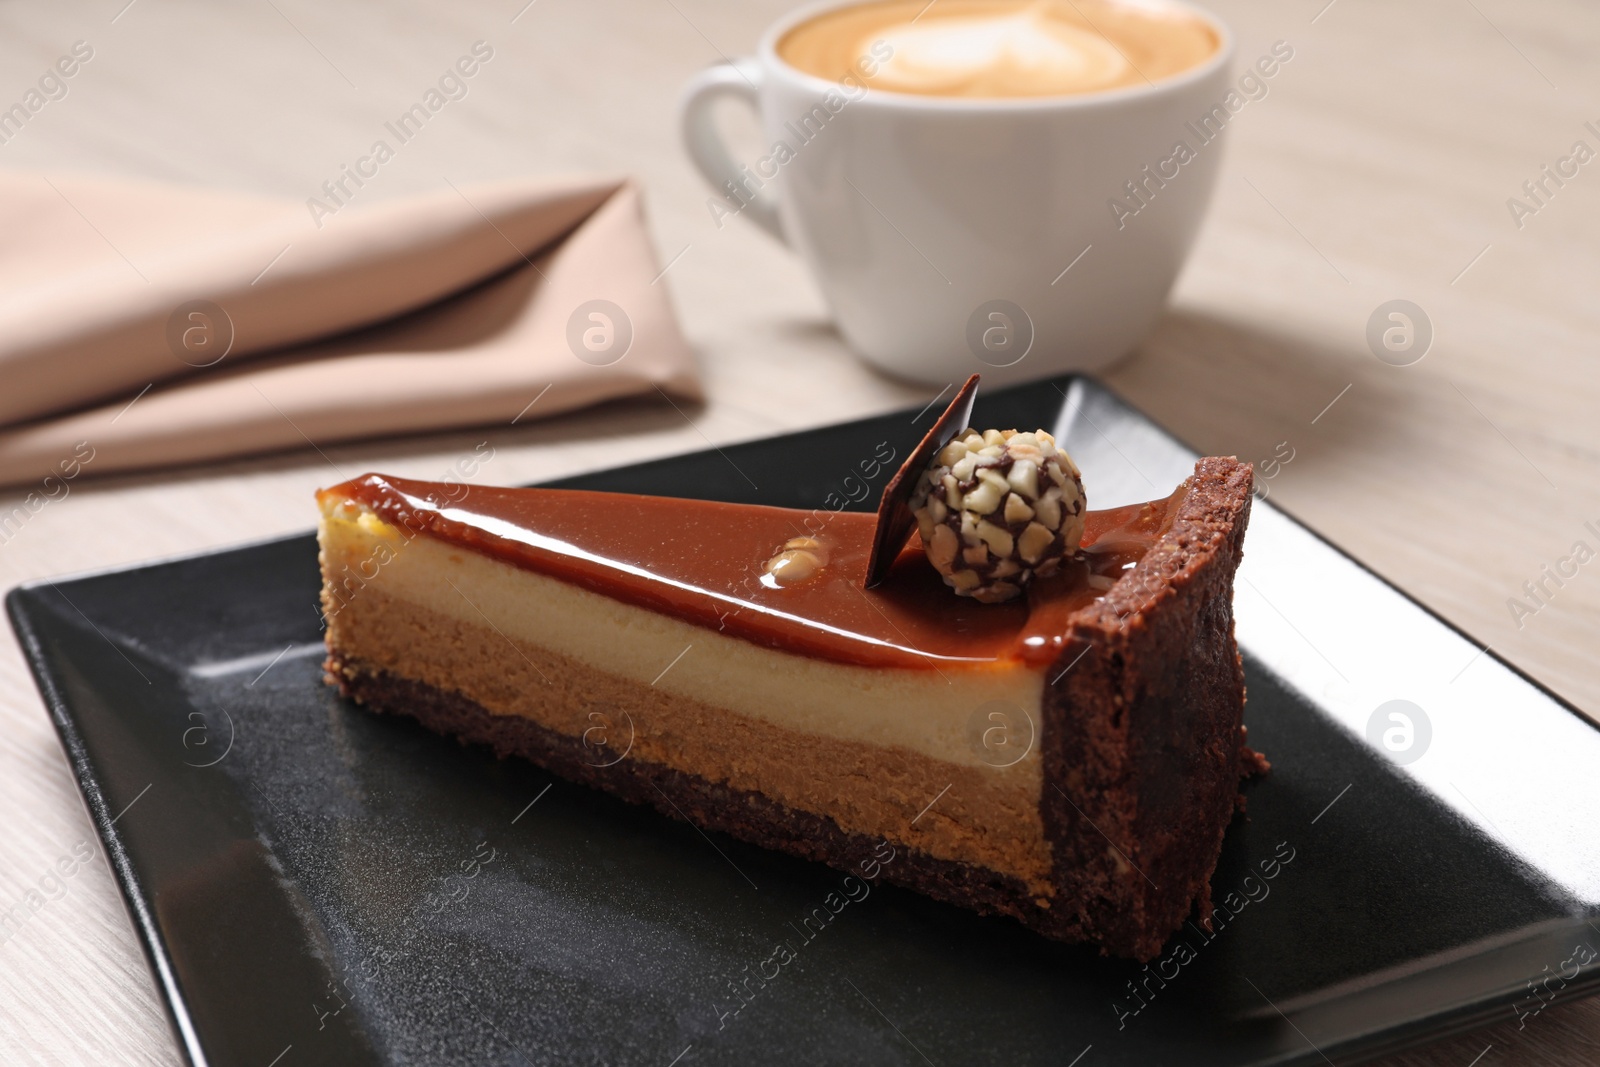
(943, 546)
(799, 560)
(1034, 541)
(984, 498)
(1024, 478)
(964, 580)
(998, 538)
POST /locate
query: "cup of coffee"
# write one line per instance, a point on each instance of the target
(999, 186)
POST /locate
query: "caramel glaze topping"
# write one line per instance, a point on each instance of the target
(703, 562)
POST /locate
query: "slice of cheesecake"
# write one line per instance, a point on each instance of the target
(1070, 758)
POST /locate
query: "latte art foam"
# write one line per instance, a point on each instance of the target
(1022, 53)
(974, 48)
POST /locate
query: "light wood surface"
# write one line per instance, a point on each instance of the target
(1378, 168)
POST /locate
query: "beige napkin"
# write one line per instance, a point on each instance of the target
(458, 308)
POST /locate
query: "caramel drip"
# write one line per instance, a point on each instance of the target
(703, 561)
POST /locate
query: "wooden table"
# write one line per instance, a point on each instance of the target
(1379, 167)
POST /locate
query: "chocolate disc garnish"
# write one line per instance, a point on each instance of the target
(895, 520)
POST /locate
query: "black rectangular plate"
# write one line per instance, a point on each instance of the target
(328, 886)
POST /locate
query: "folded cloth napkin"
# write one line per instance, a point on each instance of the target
(145, 325)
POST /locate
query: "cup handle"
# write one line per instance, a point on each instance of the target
(740, 79)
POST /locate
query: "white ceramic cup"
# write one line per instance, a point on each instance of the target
(942, 229)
